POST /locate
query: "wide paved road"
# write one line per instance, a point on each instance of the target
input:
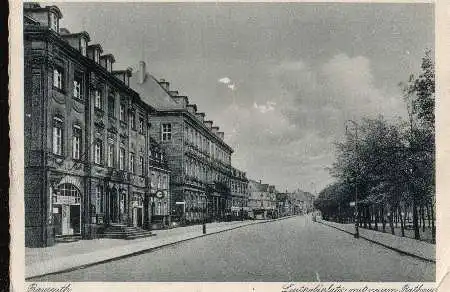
(295, 249)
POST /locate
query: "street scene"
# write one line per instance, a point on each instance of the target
(229, 142)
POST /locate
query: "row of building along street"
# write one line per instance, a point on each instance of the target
(112, 152)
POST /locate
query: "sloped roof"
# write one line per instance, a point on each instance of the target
(152, 93)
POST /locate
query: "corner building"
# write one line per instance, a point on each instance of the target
(204, 185)
(90, 161)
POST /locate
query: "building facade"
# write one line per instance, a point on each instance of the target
(204, 185)
(89, 157)
(262, 200)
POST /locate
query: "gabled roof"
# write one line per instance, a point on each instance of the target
(153, 93)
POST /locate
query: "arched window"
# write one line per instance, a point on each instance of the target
(70, 191)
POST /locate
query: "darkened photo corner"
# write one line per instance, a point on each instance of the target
(229, 142)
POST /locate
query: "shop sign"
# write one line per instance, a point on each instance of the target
(69, 200)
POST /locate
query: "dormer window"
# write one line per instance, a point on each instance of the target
(54, 22)
(83, 45)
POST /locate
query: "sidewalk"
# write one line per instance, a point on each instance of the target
(416, 248)
(73, 255)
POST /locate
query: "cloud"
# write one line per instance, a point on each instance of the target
(225, 80)
(264, 108)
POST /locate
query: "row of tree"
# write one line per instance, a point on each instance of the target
(388, 167)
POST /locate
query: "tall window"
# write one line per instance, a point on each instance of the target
(122, 158)
(83, 46)
(98, 151)
(98, 99)
(77, 87)
(131, 162)
(111, 106)
(76, 142)
(141, 163)
(133, 120)
(122, 112)
(141, 126)
(57, 136)
(166, 132)
(111, 149)
(100, 198)
(58, 78)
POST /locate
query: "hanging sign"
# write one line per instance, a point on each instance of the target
(159, 194)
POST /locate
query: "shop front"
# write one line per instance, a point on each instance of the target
(66, 210)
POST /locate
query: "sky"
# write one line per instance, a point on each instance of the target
(280, 79)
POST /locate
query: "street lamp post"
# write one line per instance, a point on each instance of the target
(356, 178)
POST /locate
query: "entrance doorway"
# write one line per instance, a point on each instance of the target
(67, 210)
(113, 206)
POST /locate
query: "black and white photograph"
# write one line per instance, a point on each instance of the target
(229, 142)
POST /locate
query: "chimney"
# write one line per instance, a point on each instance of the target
(260, 182)
(215, 129)
(142, 72)
(173, 92)
(220, 135)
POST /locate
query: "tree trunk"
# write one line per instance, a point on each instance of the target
(383, 221)
(422, 212)
(376, 212)
(428, 215)
(402, 223)
(415, 219)
(433, 228)
(391, 220)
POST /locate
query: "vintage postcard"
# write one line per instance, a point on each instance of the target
(242, 146)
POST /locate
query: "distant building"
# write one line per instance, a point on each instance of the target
(262, 200)
(89, 159)
(204, 185)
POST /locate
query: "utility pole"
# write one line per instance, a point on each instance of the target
(356, 177)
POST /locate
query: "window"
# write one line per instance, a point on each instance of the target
(111, 106)
(111, 149)
(100, 198)
(58, 78)
(141, 126)
(96, 56)
(131, 167)
(141, 163)
(98, 152)
(166, 132)
(76, 142)
(122, 112)
(98, 99)
(133, 120)
(83, 46)
(122, 158)
(57, 136)
(77, 87)
(53, 22)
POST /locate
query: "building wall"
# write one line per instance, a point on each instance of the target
(46, 172)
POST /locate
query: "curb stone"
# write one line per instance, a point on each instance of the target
(147, 250)
(382, 244)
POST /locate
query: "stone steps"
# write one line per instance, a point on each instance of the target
(119, 231)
